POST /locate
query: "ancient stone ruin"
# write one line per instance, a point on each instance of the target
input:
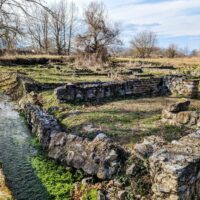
(99, 91)
(149, 145)
(29, 85)
(175, 170)
(178, 114)
(100, 157)
(174, 167)
(181, 86)
(151, 86)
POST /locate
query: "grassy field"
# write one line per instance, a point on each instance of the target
(176, 62)
(126, 121)
(54, 74)
(186, 66)
(70, 72)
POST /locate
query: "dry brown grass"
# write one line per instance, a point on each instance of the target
(177, 62)
(32, 56)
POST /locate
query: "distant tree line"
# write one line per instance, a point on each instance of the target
(34, 27)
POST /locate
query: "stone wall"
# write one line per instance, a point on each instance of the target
(181, 86)
(175, 170)
(99, 157)
(98, 91)
(175, 167)
(30, 85)
(151, 86)
(41, 123)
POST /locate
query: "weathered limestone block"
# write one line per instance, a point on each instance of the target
(166, 115)
(175, 170)
(177, 115)
(178, 107)
(41, 123)
(189, 118)
(65, 93)
(30, 98)
(99, 157)
(150, 144)
(181, 86)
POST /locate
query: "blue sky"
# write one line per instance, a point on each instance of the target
(174, 21)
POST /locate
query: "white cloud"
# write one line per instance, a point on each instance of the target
(170, 14)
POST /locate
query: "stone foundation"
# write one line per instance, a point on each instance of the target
(99, 157)
(99, 91)
(175, 170)
(41, 123)
(29, 85)
(151, 86)
(175, 167)
(181, 86)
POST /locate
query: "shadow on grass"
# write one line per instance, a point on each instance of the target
(125, 127)
(168, 132)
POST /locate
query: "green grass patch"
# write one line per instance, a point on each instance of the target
(90, 195)
(58, 181)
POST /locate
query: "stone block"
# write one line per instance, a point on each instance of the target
(176, 169)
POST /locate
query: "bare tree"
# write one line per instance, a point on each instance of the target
(8, 37)
(52, 32)
(172, 51)
(38, 25)
(12, 11)
(99, 33)
(72, 20)
(59, 25)
(144, 43)
(46, 29)
(11, 8)
(194, 53)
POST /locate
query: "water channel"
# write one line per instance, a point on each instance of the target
(16, 150)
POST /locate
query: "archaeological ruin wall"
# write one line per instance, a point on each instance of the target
(30, 85)
(152, 86)
(175, 170)
(99, 157)
(174, 167)
(99, 91)
(181, 86)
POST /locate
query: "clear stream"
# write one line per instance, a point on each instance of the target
(15, 152)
